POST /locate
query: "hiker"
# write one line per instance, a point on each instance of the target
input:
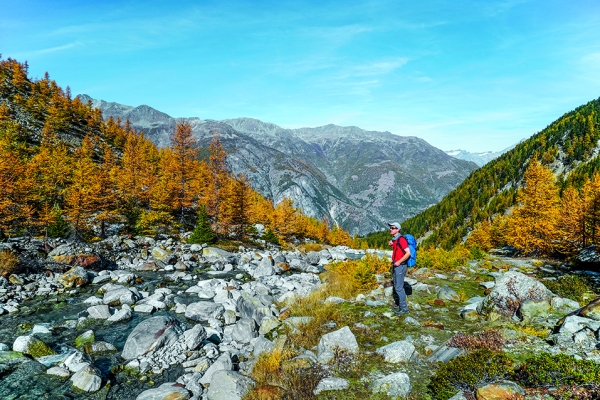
(400, 256)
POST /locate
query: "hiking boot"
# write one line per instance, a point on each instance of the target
(396, 308)
(401, 312)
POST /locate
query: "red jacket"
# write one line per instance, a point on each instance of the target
(398, 247)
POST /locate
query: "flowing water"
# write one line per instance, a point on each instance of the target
(60, 313)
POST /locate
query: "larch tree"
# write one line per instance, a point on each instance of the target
(82, 193)
(137, 175)
(591, 195)
(107, 195)
(183, 168)
(218, 176)
(50, 170)
(572, 222)
(11, 172)
(239, 199)
(534, 220)
(284, 219)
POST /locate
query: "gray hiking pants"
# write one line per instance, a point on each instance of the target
(398, 274)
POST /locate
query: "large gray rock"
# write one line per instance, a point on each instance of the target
(394, 385)
(510, 290)
(500, 390)
(223, 363)
(530, 309)
(87, 379)
(228, 385)
(124, 314)
(100, 311)
(342, 339)
(150, 335)
(166, 391)
(194, 337)
(313, 258)
(204, 310)
(244, 330)
(396, 352)
(252, 308)
(117, 295)
(447, 293)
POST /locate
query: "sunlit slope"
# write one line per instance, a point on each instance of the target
(569, 146)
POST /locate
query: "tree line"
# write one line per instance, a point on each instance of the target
(543, 222)
(65, 170)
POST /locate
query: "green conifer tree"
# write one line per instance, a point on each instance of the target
(202, 232)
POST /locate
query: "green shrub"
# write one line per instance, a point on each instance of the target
(271, 237)
(202, 232)
(477, 253)
(467, 372)
(547, 369)
(57, 227)
(573, 287)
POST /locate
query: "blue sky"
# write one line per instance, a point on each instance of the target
(475, 75)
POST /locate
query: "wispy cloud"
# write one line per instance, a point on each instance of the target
(50, 50)
(380, 67)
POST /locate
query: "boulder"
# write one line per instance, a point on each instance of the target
(75, 277)
(203, 310)
(87, 379)
(447, 293)
(533, 308)
(244, 330)
(194, 337)
(100, 347)
(85, 337)
(252, 308)
(59, 372)
(223, 363)
(510, 290)
(396, 385)
(166, 391)
(32, 346)
(228, 385)
(100, 311)
(124, 314)
(499, 391)
(342, 339)
(401, 351)
(150, 335)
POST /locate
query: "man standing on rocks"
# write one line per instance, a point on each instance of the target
(400, 255)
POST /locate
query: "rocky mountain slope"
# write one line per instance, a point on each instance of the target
(356, 178)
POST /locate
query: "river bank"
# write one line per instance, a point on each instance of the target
(143, 317)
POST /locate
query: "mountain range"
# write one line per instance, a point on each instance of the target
(480, 158)
(352, 177)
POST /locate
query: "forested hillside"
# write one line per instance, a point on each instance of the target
(65, 171)
(568, 147)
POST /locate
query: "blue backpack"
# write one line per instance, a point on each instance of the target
(412, 246)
